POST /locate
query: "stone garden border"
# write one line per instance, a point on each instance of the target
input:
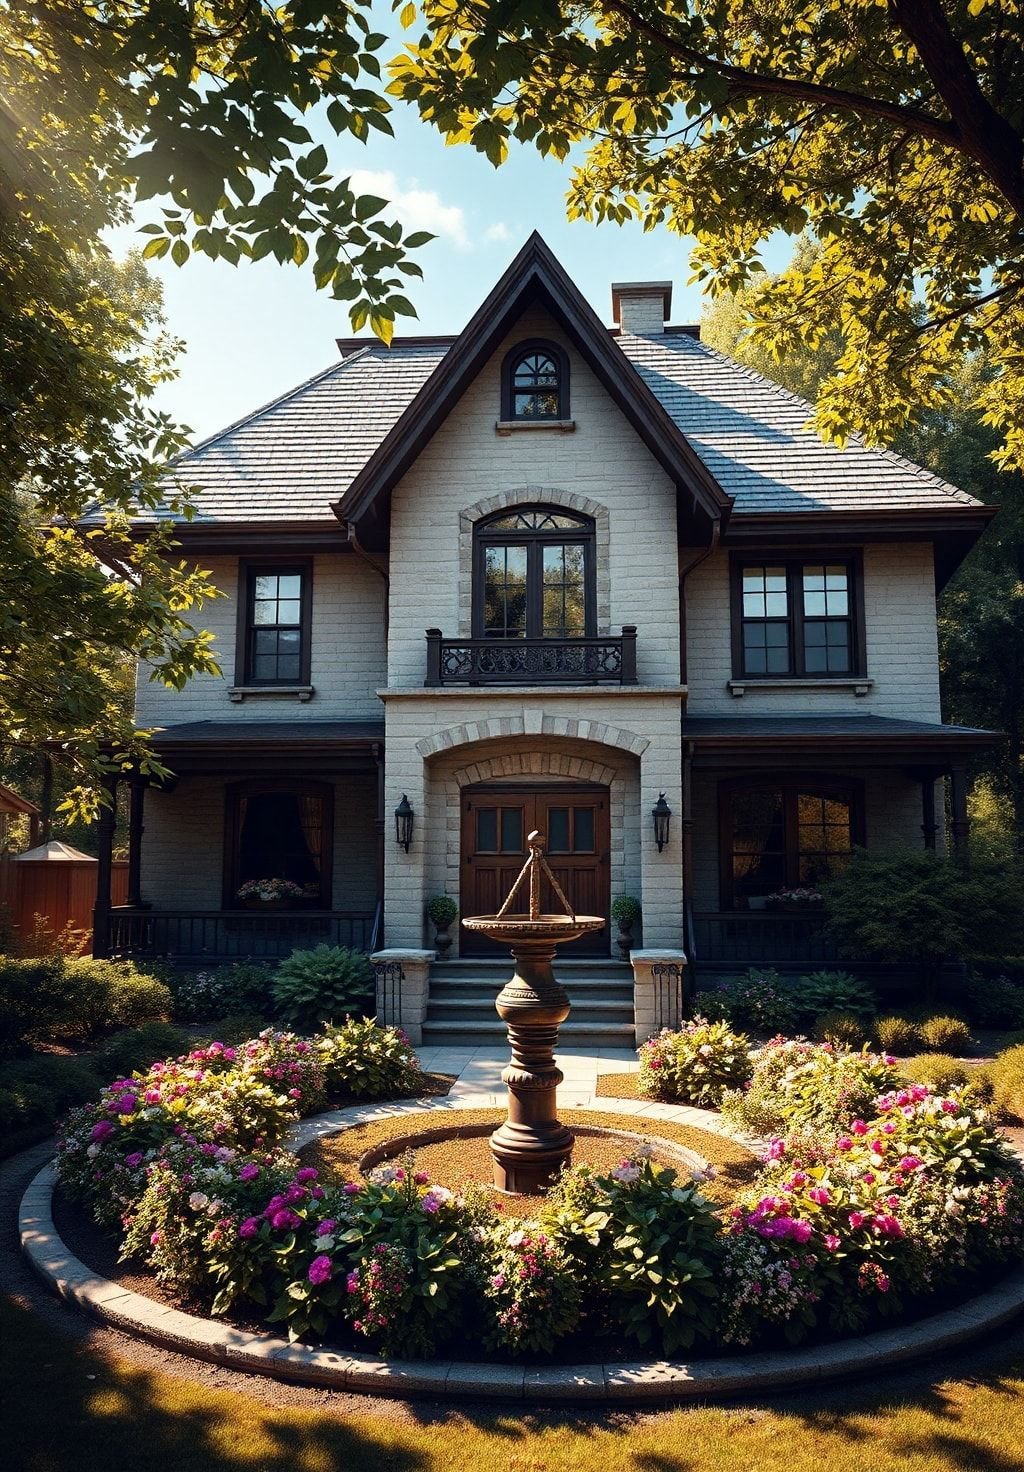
(627, 1382)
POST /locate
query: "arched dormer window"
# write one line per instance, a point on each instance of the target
(535, 383)
(534, 575)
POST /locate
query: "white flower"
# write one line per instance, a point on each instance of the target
(198, 1200)
(514, 1238)
(705, 1050)
(627, 1174)
(93, 1151)
(325, 1244)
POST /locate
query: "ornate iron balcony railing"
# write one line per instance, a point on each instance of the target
(609, 659)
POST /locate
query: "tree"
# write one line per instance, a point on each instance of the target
(981, 611)
(199, 108)
(895, 131)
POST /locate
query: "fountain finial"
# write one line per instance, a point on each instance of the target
(535, 866)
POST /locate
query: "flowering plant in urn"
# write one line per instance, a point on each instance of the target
(269, 891)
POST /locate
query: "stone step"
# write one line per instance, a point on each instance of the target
(481, 1009)
(582, 988)
(492, 1034)
(501, 967)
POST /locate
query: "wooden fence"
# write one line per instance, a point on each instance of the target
(63, 892)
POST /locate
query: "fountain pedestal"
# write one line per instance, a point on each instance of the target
(532, 1145)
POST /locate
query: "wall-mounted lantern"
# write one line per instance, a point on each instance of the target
(403, 823)
(662, 815)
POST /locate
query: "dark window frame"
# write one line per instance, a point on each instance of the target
(249, 569)
(509, 365)
(234, 792)
(792, 785)
(586, 535)
(795, 563)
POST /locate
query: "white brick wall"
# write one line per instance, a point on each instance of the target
(347, 662)
(467, 460)
(902, 646)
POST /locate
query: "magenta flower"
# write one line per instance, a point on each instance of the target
(889, 1227)
(820, 1196)
(126, 1104)
(249, 1227)
(844, 1143)
(352, 1283)
(154, 1240)
(101, 1131)
(910, 1162)
(326, 1227)
(249, 1172)
(859, 1127)
(307, 1173)
(131, 1161)
(856, 1219)
(285, 1218)
(832, 1242)
(351, 1188)
(320, 1270)
(776, 1149)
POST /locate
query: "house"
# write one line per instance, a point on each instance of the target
(545, 574)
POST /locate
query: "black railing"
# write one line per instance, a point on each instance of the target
(762, 938)
(607, 660)
(234, 935)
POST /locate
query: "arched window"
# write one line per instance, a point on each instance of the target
(535, 383)
(534, 575)
(785, 832)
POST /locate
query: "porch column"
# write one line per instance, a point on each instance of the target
(960, 825)
(105, 835)
(136, 828)
(687, 828)
(378, 934)
(929, 827)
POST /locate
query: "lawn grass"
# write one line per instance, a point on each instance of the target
(67, 1408)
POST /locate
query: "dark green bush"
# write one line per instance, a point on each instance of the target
(921, 908)
(109, 994)
(35, 995)
(234, 1027)
(993, 1001)
(943, 1034)
(832, 991)
(137, 1047)
(35, 1092)
(325, 984)
(215, 991)
(442, 910)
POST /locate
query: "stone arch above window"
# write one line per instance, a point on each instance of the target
(535, 382)
(500, 728)
(531, 498)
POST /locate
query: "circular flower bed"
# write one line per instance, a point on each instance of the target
(875, 1199)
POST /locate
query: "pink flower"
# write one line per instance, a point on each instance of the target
(249, 1227)
(776, 1149)
(832, 1242)
(351, 1188)
(307, 1173)
(844, 1143)
(155, 1239)
(882, 1282)
(910, 1162)
(859, 1127)
(800, 1231)
(249, 1172)
(889, 1227)
(131, 1161)
(352, 1283)
(295, 1093)
(320, 1270)
(152, 1096)
(856, 1219)
(421, 1178)
(101, 1131)
(819, 1195)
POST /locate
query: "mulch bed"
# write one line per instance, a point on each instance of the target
(452, 1162)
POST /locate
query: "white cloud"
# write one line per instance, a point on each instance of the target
(498, 231)
(418, 209)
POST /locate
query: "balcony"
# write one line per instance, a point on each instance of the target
(604, 660)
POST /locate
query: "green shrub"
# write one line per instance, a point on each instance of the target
(321, 985)
(1007, 1075)
(832, 991)
(897, 1035)
(626, 910)
(804, 1086)
(943, 1034)
(234, 1027)
(921, 908)
(35, 994)
(695, 1065)
(841, 1029)
(363, 1060)
(244, 986)
(442, 910)
(993, 1001)
(940, 1071)
(136, 1048)
(757, 1002)
(35, 1092)
(106, 994)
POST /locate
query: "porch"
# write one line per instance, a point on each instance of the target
(295, 803)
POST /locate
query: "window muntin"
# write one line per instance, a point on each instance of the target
(795, 618)
(784, 833)
(499, 830)
(277, 626)
(534, 575)
(535, 383)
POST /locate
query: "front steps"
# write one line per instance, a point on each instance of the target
(461, 1014)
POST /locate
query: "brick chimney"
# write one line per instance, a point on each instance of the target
(641, 307)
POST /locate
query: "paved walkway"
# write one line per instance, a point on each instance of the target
(478, 1071)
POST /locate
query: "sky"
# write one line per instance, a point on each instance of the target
(256, 330)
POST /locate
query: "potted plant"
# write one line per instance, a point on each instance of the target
(625, 912)
(442, 910)
(268, 894)
(795, 899)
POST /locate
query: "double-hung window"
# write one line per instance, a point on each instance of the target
(799, 618)
(275, 635)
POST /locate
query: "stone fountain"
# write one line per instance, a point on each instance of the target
(532, 1145)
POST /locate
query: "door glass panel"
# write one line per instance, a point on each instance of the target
(504, 592)
(512, 830)
(583, 831)
(558, 830)
(487, 830)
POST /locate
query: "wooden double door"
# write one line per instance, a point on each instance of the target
(574, 820)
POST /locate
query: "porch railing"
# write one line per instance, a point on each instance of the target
(762, 938)
(234, 935)
(610, 659)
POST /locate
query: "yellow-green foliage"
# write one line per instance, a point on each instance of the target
(1007, 1074)
(944, 1034)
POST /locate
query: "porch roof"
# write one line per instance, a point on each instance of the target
(244, 746)
(823, 740)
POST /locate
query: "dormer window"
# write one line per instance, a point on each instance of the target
(535, 384)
